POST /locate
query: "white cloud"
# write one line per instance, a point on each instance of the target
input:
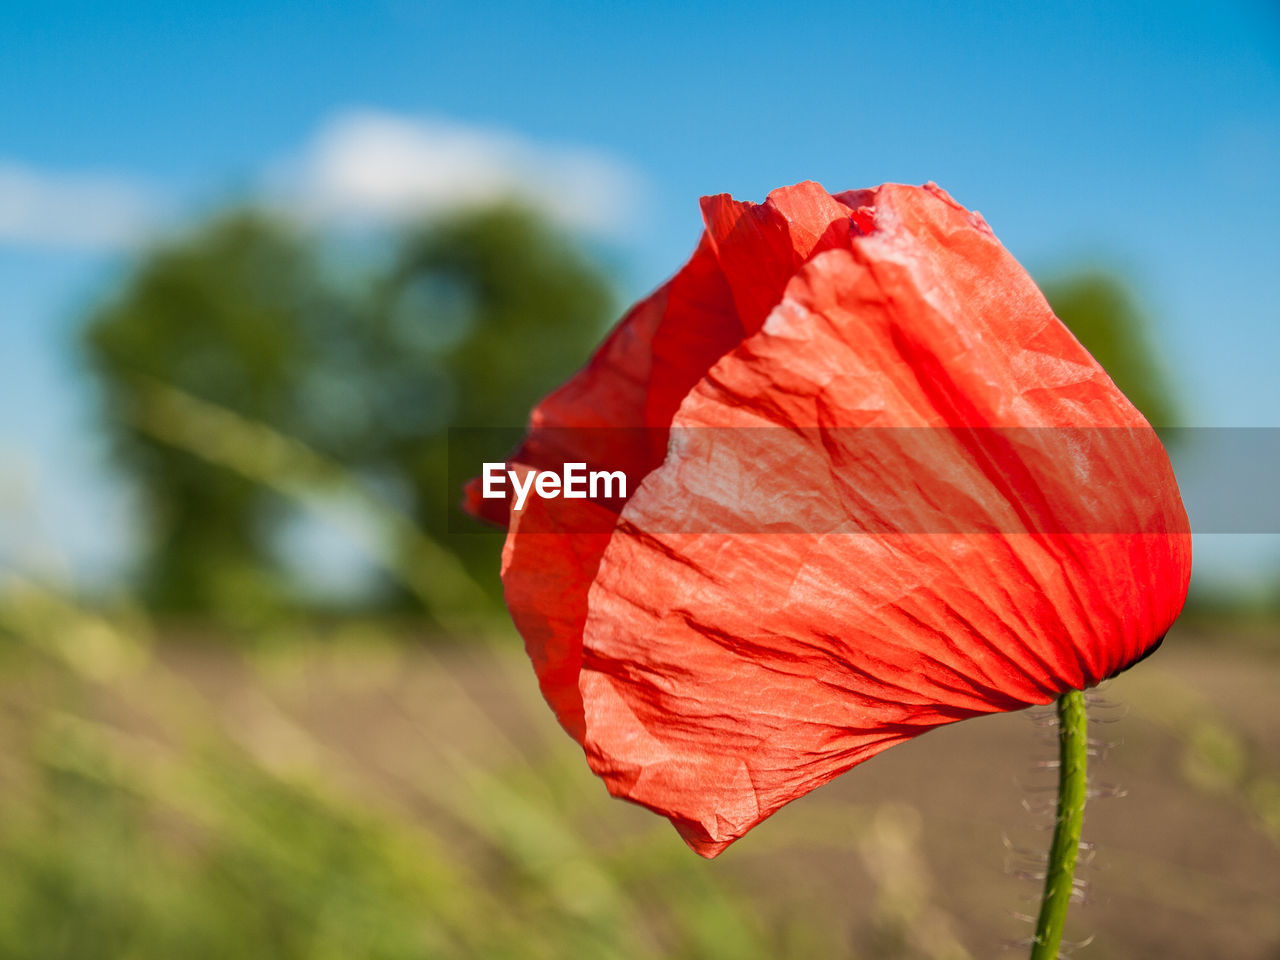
(361, 166)
(368, 165)
(90, 212)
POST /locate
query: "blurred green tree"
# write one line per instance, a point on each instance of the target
(1100, 310)
(468, 321)
(478, 318)
(223, 314)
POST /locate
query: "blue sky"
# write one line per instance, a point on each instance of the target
(1145, 137)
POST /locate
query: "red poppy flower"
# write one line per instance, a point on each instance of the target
(766, 609)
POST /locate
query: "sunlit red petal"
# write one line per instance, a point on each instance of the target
(726, 674)
(714, 674)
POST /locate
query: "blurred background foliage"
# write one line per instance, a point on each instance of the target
(1105, 316)
(462, 322)
(235, 312)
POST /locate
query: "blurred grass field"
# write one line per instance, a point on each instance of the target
(349, 791)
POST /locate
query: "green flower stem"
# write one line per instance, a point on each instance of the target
(1073, 745)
